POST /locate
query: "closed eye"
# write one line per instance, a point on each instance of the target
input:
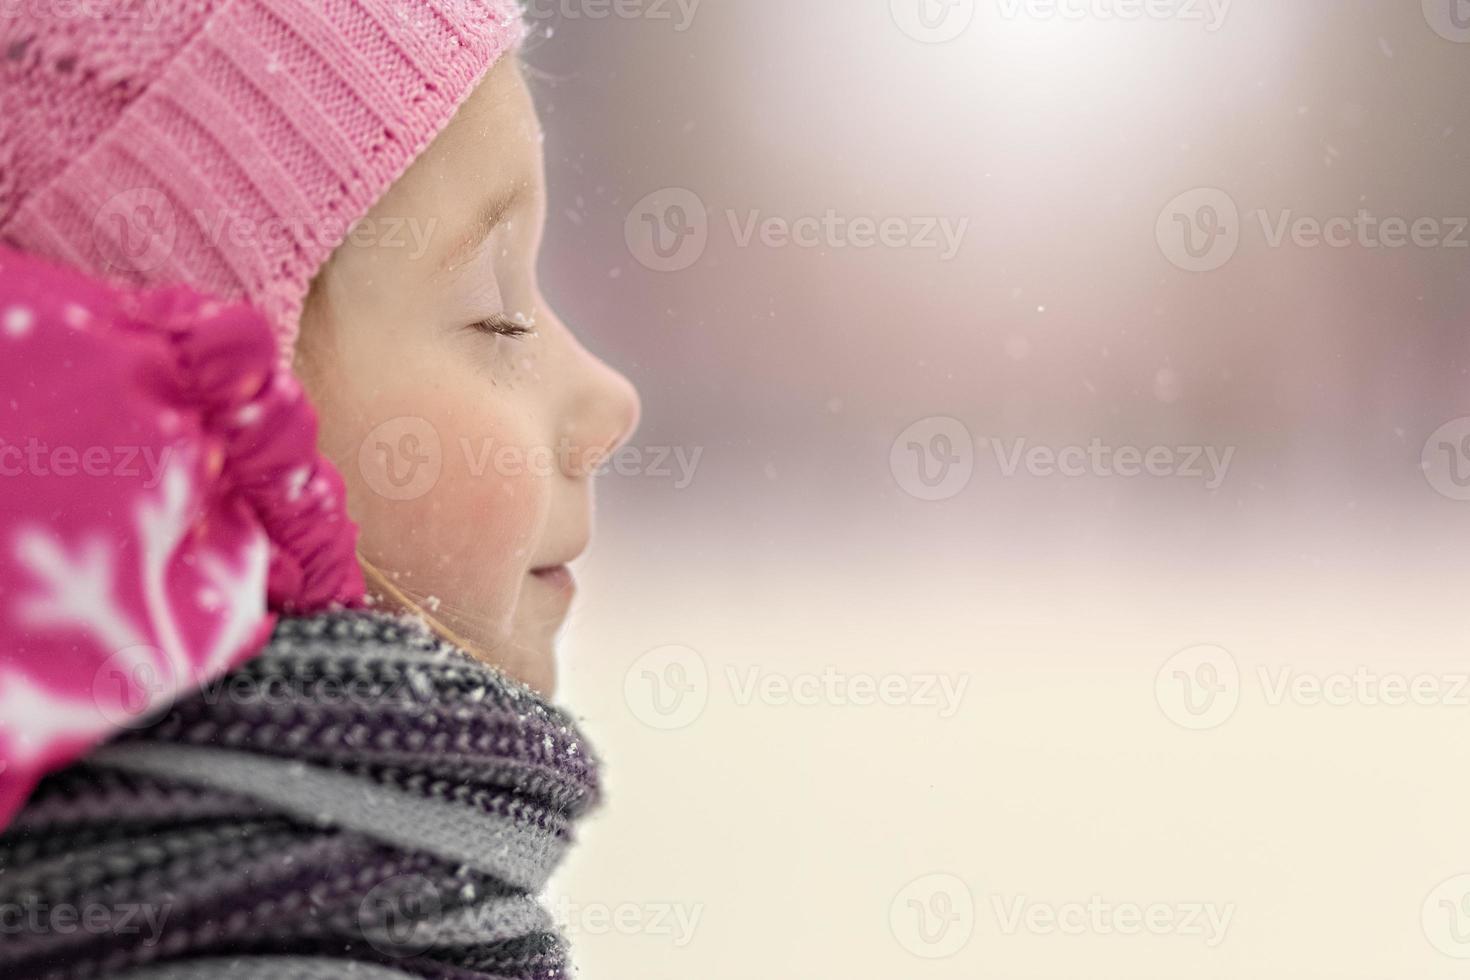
(504, 326)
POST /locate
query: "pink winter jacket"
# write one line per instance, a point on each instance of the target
(161, 498)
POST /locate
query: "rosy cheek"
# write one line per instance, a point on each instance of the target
(492, 500)
(451, 506)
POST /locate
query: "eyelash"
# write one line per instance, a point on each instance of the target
(504, 326)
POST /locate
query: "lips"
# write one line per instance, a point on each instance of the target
(558, 576)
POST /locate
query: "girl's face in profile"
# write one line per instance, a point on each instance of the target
(464, 415)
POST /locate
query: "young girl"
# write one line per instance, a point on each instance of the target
(217, 215)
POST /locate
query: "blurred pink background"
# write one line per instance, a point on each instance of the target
(1328, 374)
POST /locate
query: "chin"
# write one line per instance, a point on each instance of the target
(525, 647)
(528, 659)
(532, 664)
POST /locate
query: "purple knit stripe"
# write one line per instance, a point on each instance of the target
(459, 681)
(550, 801)
(131, 866)
(154, 802)
(301, 897)
(275, 729)
(541, 783)
(537, 780)
(173, 890)
(498, 802)
(284, 898)
(249, 864)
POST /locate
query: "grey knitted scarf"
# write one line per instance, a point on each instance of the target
(360, 801)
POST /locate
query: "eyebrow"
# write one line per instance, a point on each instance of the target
(489, 216)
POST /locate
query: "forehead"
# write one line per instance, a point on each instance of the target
(499, 118)
(490, 148)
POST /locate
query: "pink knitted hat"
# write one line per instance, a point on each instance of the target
(224, 144)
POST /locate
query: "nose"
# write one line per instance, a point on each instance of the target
(603, 416)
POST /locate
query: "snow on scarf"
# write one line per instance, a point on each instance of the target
(362, 800)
